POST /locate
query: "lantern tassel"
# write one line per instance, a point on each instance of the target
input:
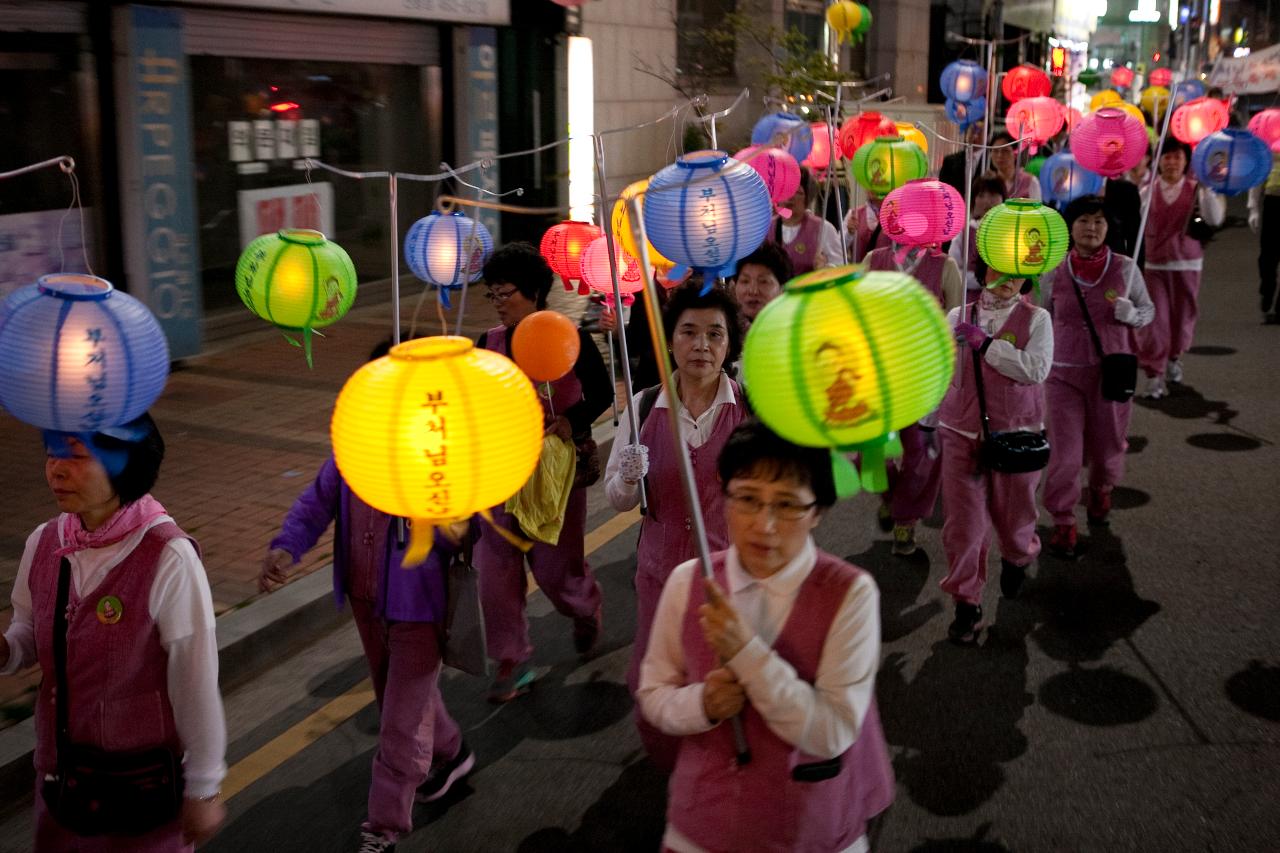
(443, 293)
(875, 477)
(901, 254)
(845, 475)
(421, 538)
(522, 544)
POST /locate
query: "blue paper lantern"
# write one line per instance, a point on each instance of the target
(1231, 161)
(964, 81)
(1187, 90)
(967, 115)
(77, 355)
(448, 250)
(1063, 180)
(786, 131)
(705, 212)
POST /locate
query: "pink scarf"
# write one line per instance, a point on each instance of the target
(127, 519)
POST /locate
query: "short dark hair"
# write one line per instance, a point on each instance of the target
(806, 182)
(689, 297)
(142, 465)
(755, 450)
(772, 257)
(522, 265)
(989, 183)
(1084, 206)
(1172, 144)
(1000, 137)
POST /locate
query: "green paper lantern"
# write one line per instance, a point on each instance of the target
(1088, 77)
(296, 280)
(1034, 164)
(888, 162)
(844, 358)
(1022, 239)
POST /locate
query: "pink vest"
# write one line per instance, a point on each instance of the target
(565, 391)
(864, 236)
(117, 674)
(1021, 185)
(803, 250)
(666, 533)
(1166, 238)
(1072, 343)
(725, 808)
(928, 272)
(1009, 404)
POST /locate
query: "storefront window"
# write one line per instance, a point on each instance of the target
(255, 122)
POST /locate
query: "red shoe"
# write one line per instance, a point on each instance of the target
(1062, 542)
(1099, 506)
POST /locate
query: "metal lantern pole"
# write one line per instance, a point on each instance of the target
(393, 191)
(1151, 180)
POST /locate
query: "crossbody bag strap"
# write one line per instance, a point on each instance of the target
(977, 379)
(61, 700)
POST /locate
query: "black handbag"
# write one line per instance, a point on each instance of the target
(96, 792)
(1119, 369)
(1012, 451)
(1197, 228)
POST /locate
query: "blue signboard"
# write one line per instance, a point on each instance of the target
(482, 116)
(159, 89)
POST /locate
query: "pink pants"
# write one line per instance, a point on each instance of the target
(914, 480)
(404, 664)
(1084, 429)
(561, 571)
(52, 837)
(1176, 298)
(974, 501)
(662, 748)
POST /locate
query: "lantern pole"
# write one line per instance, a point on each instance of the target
(968, 217)
(394, 192)
(741, 747)
(1151, 180)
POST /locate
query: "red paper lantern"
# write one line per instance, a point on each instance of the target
(597, 275)
(922, 212)
(861, 129)
(562, 246)
(1122, 77)
(1266, 126)
(1196, 119)
(820, 155)
(1025, 81)
(1035, 120)
(1161, 77)
(1072, 117)
(1109, 142)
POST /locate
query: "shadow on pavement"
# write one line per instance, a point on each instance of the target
(1256, 690)
(629, 816)
(1209, 349)
(1186, 403)
(977, 844)
(1098, 697)
(957, 719)
(901, 580)
(1137, 444)
(1223, 442)
(1124, 497)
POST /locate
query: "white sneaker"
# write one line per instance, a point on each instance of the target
(1155, 388)
(1173, 371)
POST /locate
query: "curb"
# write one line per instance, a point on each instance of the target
(250, 640)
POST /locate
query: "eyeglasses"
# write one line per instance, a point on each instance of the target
(500, 296)
(785, 510)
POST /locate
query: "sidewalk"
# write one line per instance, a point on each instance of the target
(246, 427)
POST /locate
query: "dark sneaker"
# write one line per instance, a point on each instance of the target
(1099, 506)
(441, 778)
(374, 842)
(967, 625)
(1011, 578)
(904, 540)
(1062, 541)
(586, 633)
(884, 517)
(512, 679)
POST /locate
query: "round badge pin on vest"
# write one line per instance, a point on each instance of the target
(800, 248)
(110, 610)
(1111, 295)
(1010, 337)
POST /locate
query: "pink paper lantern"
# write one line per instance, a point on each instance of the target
(1035, 120)
(1122, 77)
(1161, 77)
(922, 212)
(596, 274)
(1196, 119)
(780, 171)
(1109, 142)
(820, 155)
(1266, 126)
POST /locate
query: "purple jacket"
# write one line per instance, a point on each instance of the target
(414, 594)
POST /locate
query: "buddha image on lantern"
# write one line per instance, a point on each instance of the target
(1035, 248)
(333, 299)
(876, 168)
(889, 216)
(1112, 152)
(1218, 166)
(844, 409)
(1061, 181)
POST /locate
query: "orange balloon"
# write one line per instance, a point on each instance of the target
(545, 345)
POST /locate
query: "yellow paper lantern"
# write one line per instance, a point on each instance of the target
(436, 431)
(1155, 99)
(911, 133)
(1105, 98)
(1131, 110)
(622, 227)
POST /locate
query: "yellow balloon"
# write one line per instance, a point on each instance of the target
(1105, 98)
(622, 228)
(911, 133)
(844, 16)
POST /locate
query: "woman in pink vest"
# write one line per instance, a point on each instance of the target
(704, 335)
(1018, 183)
(913, 479)
(863, 227)
(787, 639)
(518, 281)
(810, 241)
(988, 191)
(141, 654)
(1174, 261)
(1084, 428)
(1015, 343)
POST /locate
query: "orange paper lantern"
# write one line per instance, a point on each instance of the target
(545, 345)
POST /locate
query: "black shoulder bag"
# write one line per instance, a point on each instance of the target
(96, 792)
(1119, 369)
(1011, 452)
